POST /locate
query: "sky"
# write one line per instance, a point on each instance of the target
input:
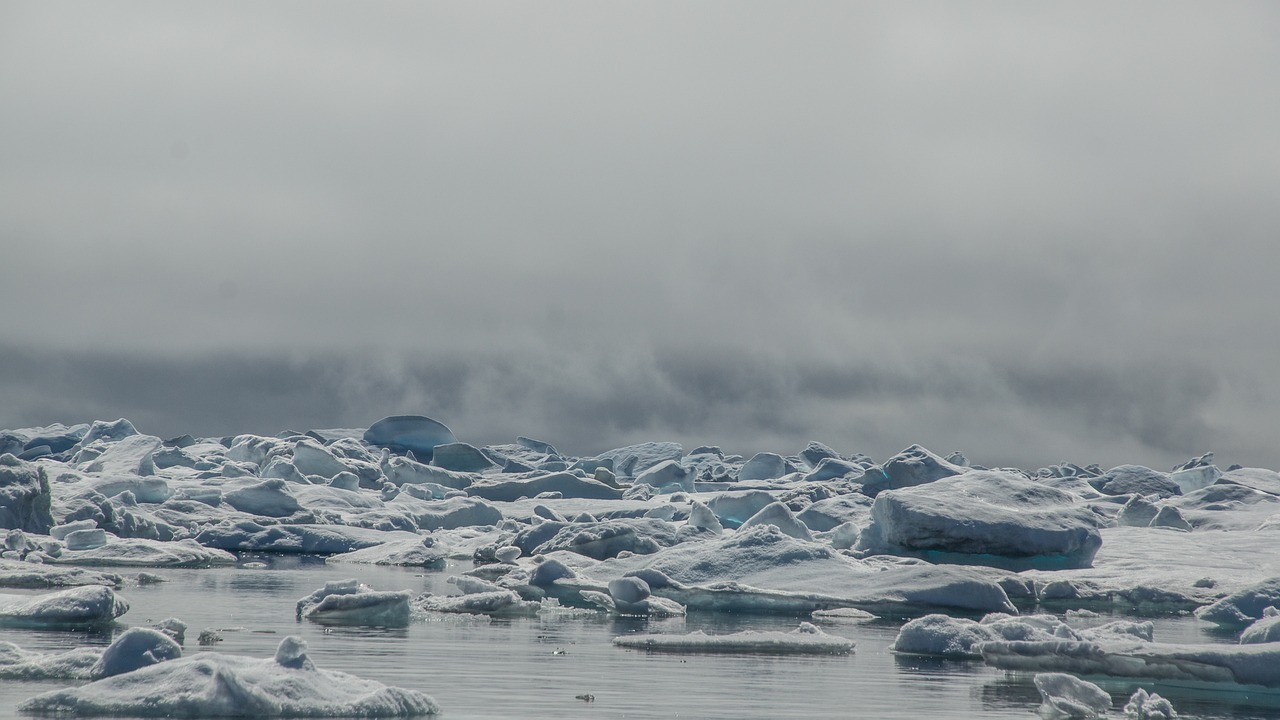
(1032, 232)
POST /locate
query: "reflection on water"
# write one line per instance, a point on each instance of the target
(538, 667)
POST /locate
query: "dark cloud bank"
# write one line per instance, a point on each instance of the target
(1030, 232)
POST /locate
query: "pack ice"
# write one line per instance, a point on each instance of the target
(647, 529)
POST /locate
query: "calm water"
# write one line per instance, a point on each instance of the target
(534, 667)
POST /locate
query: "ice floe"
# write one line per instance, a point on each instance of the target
(74, 607)
(807, 639)
(210, 684)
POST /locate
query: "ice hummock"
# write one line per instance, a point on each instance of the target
(210, 684)
(808, 639)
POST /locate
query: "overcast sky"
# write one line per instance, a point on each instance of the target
(1033, 232)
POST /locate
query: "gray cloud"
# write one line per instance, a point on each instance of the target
(1032, 232)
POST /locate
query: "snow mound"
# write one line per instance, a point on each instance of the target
(807, 639)
(215, 685)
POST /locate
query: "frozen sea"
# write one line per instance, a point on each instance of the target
(481, 668)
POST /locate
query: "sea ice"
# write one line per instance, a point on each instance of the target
(409, 433)
(25, 496)
(807, 639)
(349, 602)
(1257, 665)
(565, 483)
(18, 574)
(74, 607)
(987, 518)
(1065, 696)
(135, 648)
(210, 684)
(1144, 706)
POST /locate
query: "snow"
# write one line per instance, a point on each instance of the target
(807, 639)
(987, 518)
(87, 605)
(211, 684)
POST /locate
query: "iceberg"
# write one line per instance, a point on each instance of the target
(807, 639)
(210, 684)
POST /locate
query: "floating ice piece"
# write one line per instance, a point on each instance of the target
(960, 637)
(25, 498)
(609, 538)
(447, 514)
(631, 596)
(269, 498)
(404, 471)
(129, 456)
(568, 484)
(1227, 664)
(493, 602)
(632, 460)
(1267, 481)
(1135, 480)
(424, 552)
(667, 476)
(139, 552)
(986, 518)
(781, 517)
(736, 506)
(18, 574)
(1265, 630)
(461, 457)
(764, 570)
(349, 602)
(73, 607)
(1240, 609)
(1065, 696)
(210, 684)
(19, 664)
(321, 539)
(409, 433)
(807, 639)
(135, 648)
(763, 466)
(911, 467)
(1144, 706)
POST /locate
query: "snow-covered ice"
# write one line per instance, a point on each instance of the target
(209, 684)
(349, 602)
(807, 639)
(74, 607)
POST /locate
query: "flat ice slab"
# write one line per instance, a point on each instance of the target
(807, 639)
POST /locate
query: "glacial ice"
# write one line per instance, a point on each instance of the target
(25, 496)
(209, 684)
(807, 639)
